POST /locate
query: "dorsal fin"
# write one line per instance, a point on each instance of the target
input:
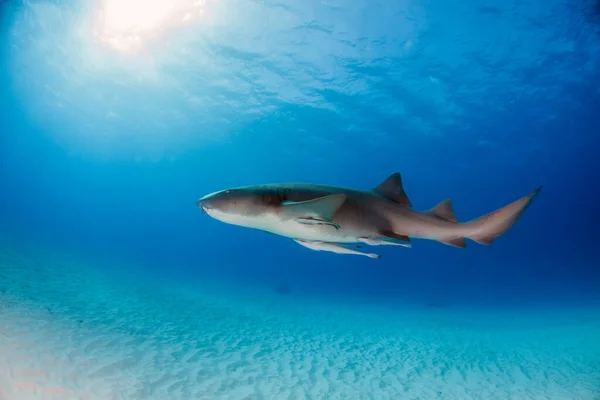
(443, 211)
(392, 189)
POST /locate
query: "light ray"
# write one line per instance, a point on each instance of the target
(127, 25)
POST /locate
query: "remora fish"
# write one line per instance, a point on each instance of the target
(329, 218)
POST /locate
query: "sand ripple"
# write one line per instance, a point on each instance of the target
(69, 331)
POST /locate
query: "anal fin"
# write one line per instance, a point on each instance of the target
(456, 242)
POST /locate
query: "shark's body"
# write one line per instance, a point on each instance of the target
(329, 218)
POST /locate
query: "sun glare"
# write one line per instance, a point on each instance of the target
(126, 25)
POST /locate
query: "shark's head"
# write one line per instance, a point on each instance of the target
(246, 206)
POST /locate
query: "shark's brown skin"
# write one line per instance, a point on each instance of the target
(337, 215)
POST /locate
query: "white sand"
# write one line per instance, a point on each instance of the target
(68, 331)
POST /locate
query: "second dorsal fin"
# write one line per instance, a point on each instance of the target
(443, 211)
(392, 189)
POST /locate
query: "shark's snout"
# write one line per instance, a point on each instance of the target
(238, 206)
(215, 202)
(202, 204)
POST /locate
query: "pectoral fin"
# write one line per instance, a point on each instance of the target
(332, 247)
(319, 211)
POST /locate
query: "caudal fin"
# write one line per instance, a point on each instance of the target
(485, 229)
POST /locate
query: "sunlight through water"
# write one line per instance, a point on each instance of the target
(150, 79)
(127, 25)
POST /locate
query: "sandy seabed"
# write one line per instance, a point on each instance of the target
(72, 331)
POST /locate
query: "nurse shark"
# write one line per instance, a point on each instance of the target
(340, 220)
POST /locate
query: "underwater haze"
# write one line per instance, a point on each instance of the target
(117, 115)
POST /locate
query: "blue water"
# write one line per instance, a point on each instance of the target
(106, 145)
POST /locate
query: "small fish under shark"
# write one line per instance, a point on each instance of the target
(340, 220)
